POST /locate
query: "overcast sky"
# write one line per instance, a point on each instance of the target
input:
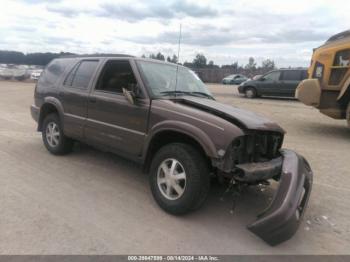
(225, 31)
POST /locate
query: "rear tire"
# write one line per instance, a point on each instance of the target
(179, 178)
(250, 92)
(54, 139)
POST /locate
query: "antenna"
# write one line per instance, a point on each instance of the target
(178, 59)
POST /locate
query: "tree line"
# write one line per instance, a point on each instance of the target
(19, 58)
(199, 61)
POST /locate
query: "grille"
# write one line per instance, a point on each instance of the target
(256, 147)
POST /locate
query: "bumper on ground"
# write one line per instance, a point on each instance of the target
(281, 219)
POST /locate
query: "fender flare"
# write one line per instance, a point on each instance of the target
(54, 102)
(187, 129)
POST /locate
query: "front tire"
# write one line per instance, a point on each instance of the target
(179, 178)
(250, 92)
(54, 139)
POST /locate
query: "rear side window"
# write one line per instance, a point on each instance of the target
(52, 72)
(81, 74)
(291, 75)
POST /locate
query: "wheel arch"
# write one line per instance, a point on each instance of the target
(50, 105)
(251, 86)
(166, 135)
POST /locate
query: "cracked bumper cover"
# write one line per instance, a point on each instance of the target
(281, 219)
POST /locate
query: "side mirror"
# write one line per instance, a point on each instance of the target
(261, 79)
(129, 95)
(136, 91)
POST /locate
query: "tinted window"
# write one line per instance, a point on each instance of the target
(273, 76)
(53, 71)
(69, 79)
(291, 75)
(84, 73)
(116, 75)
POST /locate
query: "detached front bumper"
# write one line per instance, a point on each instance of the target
(281, 219)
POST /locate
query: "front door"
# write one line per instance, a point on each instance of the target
(112, 120)
(269, 84)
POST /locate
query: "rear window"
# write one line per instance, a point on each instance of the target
(291, 75)
(53, 72)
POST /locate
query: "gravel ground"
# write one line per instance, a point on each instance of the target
(91, 202)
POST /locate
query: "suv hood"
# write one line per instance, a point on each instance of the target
(240, 117)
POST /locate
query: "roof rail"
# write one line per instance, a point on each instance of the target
(94, 55)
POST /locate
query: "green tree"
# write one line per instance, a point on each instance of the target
(158, 56)
(199, 61)
(268, 64)
(251, 64)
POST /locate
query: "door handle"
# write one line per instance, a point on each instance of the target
(92, 99)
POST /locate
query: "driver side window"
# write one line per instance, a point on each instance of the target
(273, 76)
(116, 75)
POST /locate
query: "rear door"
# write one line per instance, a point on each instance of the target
(112, 120)
(269, 84)
(289, 82)
(74, 96)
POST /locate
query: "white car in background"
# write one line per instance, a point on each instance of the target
(35, 75)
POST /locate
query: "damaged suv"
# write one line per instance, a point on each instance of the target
(162, 116)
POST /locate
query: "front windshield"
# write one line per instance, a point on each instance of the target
(160, 78)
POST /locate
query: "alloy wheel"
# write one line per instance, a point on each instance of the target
(171, 179)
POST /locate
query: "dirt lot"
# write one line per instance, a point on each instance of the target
(91, 202)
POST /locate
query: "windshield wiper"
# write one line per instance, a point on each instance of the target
(173, 92)
(179, 92)
(202, 94)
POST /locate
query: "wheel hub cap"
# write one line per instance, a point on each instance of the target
(171, 179)
(52, 134)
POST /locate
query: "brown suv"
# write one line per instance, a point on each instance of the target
(162, 116)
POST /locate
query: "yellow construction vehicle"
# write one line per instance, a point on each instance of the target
(328, 85)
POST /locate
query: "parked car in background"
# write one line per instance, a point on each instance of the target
(234, 79)
(162, 116)
(281, 83)
(35, 75)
